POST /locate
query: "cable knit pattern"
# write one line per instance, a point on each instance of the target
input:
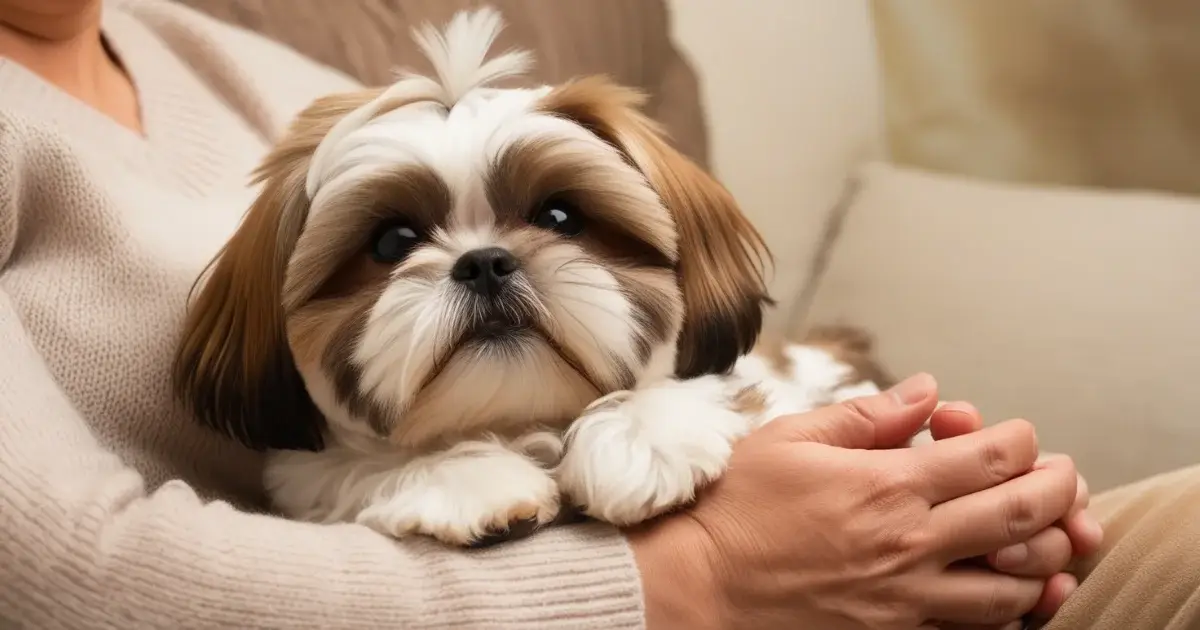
(116, 511)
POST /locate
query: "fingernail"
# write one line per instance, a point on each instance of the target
(1012, 557)
(913, 389)
(956, 407)
(1069, 590)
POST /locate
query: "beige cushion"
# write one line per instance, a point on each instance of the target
(1076, 309)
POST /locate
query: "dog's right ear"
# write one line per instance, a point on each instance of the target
(722, 257)
(233, 368)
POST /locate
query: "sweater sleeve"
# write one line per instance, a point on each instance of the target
(83, 543)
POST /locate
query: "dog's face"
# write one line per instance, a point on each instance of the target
(425, 263)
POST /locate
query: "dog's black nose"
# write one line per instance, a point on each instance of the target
(485, 271)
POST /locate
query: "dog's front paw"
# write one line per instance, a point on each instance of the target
(633, 456)
(466, 501)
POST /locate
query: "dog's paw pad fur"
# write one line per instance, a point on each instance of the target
(637, 456)
(468, 510)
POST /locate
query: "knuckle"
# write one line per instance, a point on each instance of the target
(906, 544)
(1005, 458)
(856, 408)
(1020, 517)
(895, 605)
(1003, 605)
(996, 462)
(889, 487)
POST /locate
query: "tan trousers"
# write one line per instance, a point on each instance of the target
(1147, 576)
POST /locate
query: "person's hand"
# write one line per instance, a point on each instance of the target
(1049, 552)
(808, 529)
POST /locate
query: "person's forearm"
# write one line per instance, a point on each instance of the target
(169, 561)
(83, 545)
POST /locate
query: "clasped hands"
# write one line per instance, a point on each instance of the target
(822, 522)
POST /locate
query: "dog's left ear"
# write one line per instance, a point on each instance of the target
(721, 255)
(233, 368)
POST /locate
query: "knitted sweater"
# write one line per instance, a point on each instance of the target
(116, 510)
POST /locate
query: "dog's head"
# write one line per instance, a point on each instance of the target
(441, 257)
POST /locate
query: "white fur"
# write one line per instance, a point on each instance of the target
(459, 53)
(651, 453)
(625, 464)
(458, 495)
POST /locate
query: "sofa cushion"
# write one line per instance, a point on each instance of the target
(1076, 309)
(369, 39)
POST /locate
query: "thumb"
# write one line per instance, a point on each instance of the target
(878, 421)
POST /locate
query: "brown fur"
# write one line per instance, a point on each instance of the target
(749, 400)
(721, 255)
(339, 237)
(772, 351)
(853, 347)
(531, 172)
(233, 368)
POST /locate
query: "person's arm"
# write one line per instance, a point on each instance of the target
(84, 544)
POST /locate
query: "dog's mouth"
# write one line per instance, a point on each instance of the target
(505, 330)
(498, 327)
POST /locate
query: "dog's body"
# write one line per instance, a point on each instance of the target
(632, 454)
(453, 304)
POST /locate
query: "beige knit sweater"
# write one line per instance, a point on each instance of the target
(115, 510)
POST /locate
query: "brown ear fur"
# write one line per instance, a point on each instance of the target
(233, 368)
(721, 255)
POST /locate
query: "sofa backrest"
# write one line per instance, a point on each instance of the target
(370, 39)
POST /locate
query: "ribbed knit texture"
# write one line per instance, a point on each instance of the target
(116, 511)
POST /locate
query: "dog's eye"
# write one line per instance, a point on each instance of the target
(559, 216)
(392, 242)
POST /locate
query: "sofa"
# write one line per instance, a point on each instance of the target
(1072, 307)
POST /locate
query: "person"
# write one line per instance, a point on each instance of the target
(127, 132)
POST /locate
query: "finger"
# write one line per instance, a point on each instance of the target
(1047, 553)
(1085, 532)
(959, 466)
(1011, 513)
(863, 423)
(1058, 588)
(981, 597)
(954, 419)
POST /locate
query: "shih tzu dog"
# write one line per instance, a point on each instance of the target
(454, 306)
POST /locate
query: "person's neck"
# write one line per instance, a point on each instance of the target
(73, 57)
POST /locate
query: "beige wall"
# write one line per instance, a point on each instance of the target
(787, 120)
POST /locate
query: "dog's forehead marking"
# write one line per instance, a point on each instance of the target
(458, 144)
